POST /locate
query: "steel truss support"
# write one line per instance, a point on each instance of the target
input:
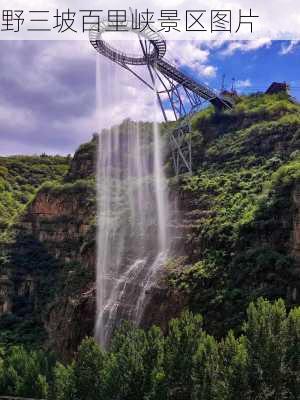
(183, 104)
(176, 92)
(181, 101)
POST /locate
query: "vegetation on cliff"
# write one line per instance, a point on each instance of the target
(21, 176)
(239, 209)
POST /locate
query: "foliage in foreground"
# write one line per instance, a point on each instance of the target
(185, 364)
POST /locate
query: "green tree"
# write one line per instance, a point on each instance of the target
(63, 384)
(292, 330)
(88, 371)
(234, 360)
(130, 376)
(154, 361)
(207, 377)
(40, 387)
(266, 345)
(180, 346)
(23, 374)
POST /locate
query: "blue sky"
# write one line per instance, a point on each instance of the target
(260, 67)
(48, 89)
(253, 69)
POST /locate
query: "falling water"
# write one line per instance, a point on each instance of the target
(133, 211)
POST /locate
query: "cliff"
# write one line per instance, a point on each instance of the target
(240, 210)
(236, 220)
(63, 218)
(48, 258)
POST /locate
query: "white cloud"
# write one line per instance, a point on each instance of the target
(187, 52)
(245, 46)
(13, 117)
(194, 54)
(49, 104)
(208, 71)
(290, 47)
(170, 115)
(66, 50)
(126, 97)
(246, 83)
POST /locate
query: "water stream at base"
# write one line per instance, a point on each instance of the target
(132, 240)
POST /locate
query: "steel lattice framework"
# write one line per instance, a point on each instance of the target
(175, 90)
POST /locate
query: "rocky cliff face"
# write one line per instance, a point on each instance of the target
(63, 220)
(50, 260)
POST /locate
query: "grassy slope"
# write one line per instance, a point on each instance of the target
(20, 177)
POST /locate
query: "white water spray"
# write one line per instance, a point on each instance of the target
(132, 241)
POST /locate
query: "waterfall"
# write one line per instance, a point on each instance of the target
(132, 239)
